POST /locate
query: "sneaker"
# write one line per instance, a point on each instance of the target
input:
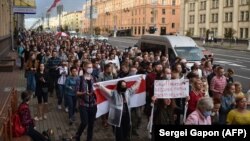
(59, 107)
(45, 117)
(66, 110)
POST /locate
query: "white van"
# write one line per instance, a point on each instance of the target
(173, 45)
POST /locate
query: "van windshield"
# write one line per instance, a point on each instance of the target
(189, 53)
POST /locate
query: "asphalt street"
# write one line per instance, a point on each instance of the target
(237, 60)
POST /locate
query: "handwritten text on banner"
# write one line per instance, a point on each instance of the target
(171, 88)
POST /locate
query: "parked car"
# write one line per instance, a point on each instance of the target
(101, 38)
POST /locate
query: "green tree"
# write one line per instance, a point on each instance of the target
(229, 33)
(189, 33)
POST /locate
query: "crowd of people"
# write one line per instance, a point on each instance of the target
(68, 68)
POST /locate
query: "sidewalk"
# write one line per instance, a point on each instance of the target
(58, 119)
(232, 46)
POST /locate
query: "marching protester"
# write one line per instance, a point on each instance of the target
(240, 115)
(87, 102)
(71, 93)
(120, 110)
(42, 92)
(212, 95)
(202, 114)
(31, 68)
(63, 72)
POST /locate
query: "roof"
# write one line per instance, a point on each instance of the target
(174, 40)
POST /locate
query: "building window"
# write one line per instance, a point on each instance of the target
(163, 11)
(246, 32)
(215, 4)
(230, 16)
(173, 25)
(173, 11)
(242, 13)
(173, 2)
(203, 5)
(228, 3)
(191, 19)
(202, 18)
(164, 2)
(135, 30)
(247, 15)
(241, 33)
(139, 30)
(191, 6)
(243, 2)
(143, 30)
(144, 20)
(163, 20)
(152, 19)
(191, 30)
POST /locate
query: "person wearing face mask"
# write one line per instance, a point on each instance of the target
(87, 102)
(202, 114)
(167, 74)
(96, 68)
(120, 111)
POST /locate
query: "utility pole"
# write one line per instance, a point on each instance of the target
(59, 12)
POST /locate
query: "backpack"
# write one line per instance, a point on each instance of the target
(17, 127)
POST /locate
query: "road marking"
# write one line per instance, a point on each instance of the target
(229, 63)
(245, 69)
(233, 56)
(242, 77)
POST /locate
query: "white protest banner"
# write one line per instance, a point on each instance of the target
(178, 88)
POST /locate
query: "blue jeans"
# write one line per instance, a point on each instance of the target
(71, 105)
(31, 81)
(61, 95)
(87, 115)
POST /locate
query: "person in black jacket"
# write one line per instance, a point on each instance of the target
(41, 92)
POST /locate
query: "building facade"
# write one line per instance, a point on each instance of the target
(138, 16)
(72, 20)
(215, 18)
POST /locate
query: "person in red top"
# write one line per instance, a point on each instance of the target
(195, 94)
(26, 119)
(151, 77)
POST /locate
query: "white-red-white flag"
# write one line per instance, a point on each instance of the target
(55, 3)
(136, 100)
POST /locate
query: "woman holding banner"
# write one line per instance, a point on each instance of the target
(119, 112)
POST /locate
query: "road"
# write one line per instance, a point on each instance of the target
(237, 60)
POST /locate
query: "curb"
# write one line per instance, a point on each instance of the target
(228, 48)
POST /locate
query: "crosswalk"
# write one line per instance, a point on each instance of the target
(229, 63)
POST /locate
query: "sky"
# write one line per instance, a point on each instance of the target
(43, 5)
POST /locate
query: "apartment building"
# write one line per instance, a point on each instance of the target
(137, 16)
(215, 18)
